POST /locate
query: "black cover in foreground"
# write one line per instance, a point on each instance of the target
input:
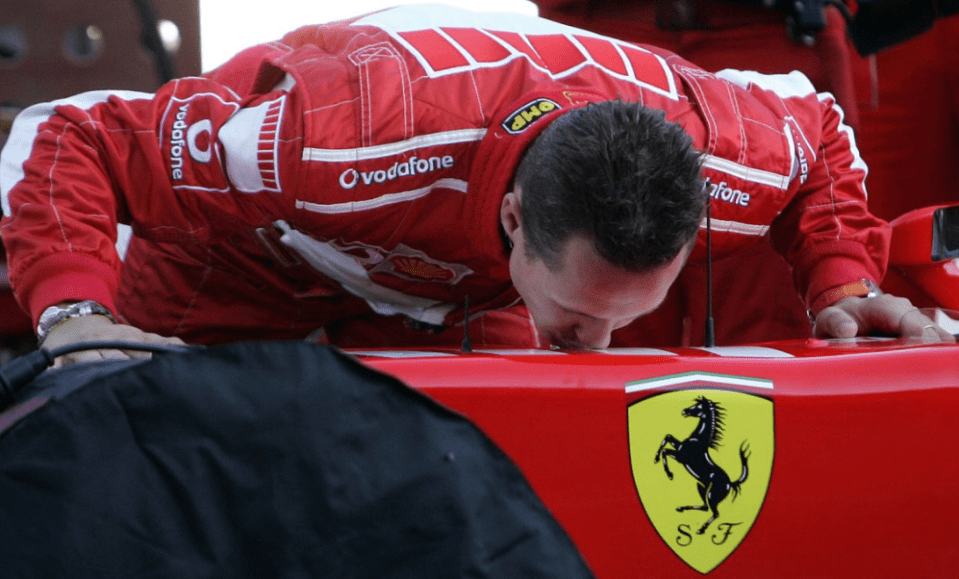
(265, 460)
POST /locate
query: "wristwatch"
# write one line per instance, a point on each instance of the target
(55, 315)
(864, 288)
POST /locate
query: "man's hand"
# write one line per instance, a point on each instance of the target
(884, 315)
(94, 328)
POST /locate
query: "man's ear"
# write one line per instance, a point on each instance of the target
(511, 216)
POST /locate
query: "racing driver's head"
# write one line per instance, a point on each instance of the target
(605, 209)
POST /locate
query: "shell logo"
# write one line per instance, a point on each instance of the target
(422, 269)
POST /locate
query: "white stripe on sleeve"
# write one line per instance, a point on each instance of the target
(27, 126)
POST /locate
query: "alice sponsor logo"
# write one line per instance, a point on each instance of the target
(725, 193)
(414, 166)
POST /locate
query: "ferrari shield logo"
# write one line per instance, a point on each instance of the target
(701, 449)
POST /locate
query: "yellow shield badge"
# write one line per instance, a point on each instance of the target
(701, 447)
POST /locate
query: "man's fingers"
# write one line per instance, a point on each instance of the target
(942, 335)
(82, 356)
(85, 329)
(153, 339)
(884, 315)
(835, 323)
(915, 324)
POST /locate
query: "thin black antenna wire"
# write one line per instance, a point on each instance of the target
(467, 346)
(710, 340)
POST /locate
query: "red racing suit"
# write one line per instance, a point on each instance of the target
(357, 169)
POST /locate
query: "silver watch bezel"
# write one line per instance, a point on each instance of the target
(55, 315)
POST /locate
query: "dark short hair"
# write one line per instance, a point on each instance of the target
(616, 172)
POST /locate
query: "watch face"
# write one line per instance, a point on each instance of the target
(52, 313)
(50, 317)
(872, 287)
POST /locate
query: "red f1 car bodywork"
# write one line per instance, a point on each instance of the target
(816, 458)
(833, 458)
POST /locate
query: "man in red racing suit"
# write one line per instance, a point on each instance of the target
(356, 170)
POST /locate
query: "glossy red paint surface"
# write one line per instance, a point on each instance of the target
(863, 480)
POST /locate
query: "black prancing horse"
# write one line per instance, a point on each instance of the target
(712, 482)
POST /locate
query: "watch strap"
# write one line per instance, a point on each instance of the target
(55, 315)
(864, 288)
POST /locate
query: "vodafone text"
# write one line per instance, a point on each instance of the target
(729, 195)
(188, 137)
(351, 177)
(177, 143)
(803, 164)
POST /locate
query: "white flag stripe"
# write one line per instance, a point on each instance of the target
(746, 352)
(390, 149)
(382, 201)
(735, 227)
(27, 126)
(746, 173)
(696, 377)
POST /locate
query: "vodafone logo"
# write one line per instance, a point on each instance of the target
(197, 139)
(200, 132)
(725, 193)
(414, 166)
